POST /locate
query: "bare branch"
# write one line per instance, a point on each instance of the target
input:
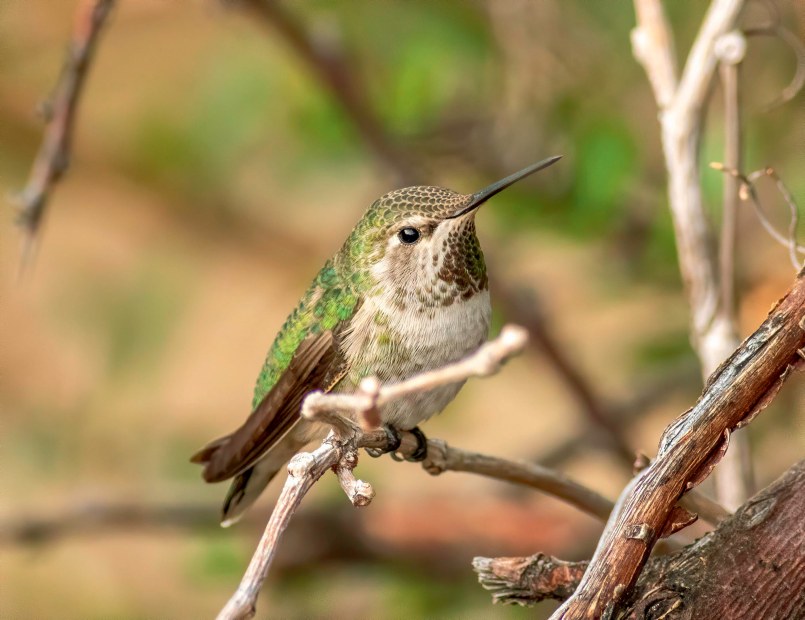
(734, 479)
(653, 46)
(689, 449)
(748, 191)
(442, 458)
(748, 567)
(53, 158)
(486, 361)
(730, 49)
(339, 451)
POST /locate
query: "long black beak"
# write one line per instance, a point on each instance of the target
(479, 198)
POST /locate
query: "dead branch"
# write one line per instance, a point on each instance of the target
(752, 566)
(748, 191)
(529, 580)
(734, 478)
(53, 158)
(675, 381)
(689, 448)
(682, 106)
(339, 450)
(94, 516)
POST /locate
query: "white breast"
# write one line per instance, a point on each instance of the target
(396, 342)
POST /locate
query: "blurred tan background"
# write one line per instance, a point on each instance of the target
(212, 175)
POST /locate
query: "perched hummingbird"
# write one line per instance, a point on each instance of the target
(406, 293)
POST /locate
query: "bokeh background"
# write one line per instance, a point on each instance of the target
(214, 171)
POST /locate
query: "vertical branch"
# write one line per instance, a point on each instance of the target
(682, 107)
(53, 158)
(733, 477)
(731, 50)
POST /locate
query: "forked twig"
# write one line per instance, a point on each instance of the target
(749, 192)
(339, 451)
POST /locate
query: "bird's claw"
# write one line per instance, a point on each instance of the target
(421, 452)
(394, 441)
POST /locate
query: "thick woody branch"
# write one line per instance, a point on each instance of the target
(339, 451)
(689, 449)
(53, 158)
(752, 566)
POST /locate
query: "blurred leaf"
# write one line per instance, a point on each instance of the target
(605, 166)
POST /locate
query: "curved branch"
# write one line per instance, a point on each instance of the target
(339, 451)
(689, 449)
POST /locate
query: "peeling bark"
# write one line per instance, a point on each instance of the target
(752, 567)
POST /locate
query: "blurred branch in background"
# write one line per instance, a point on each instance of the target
(748, 191)
(622, 414)
(521, 306)
(734, 478)
(327, 60)
(682, 103)
(94, 517)
(53, 158)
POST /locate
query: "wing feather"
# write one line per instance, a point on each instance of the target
(312, 365)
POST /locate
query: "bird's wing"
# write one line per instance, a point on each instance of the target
(313, 364)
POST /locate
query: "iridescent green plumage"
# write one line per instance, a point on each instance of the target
(407, 292)
(331, 299)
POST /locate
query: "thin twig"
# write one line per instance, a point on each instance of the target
(793, 221)
(53, 158)
(339, 450)
(793, 41)
(748, 192)
(731, 50)
(734, 477)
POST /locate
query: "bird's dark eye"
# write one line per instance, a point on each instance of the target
(408, 235)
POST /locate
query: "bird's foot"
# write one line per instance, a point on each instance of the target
(394, 441)
(421, 452)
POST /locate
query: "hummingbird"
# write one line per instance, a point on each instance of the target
(406, 293)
